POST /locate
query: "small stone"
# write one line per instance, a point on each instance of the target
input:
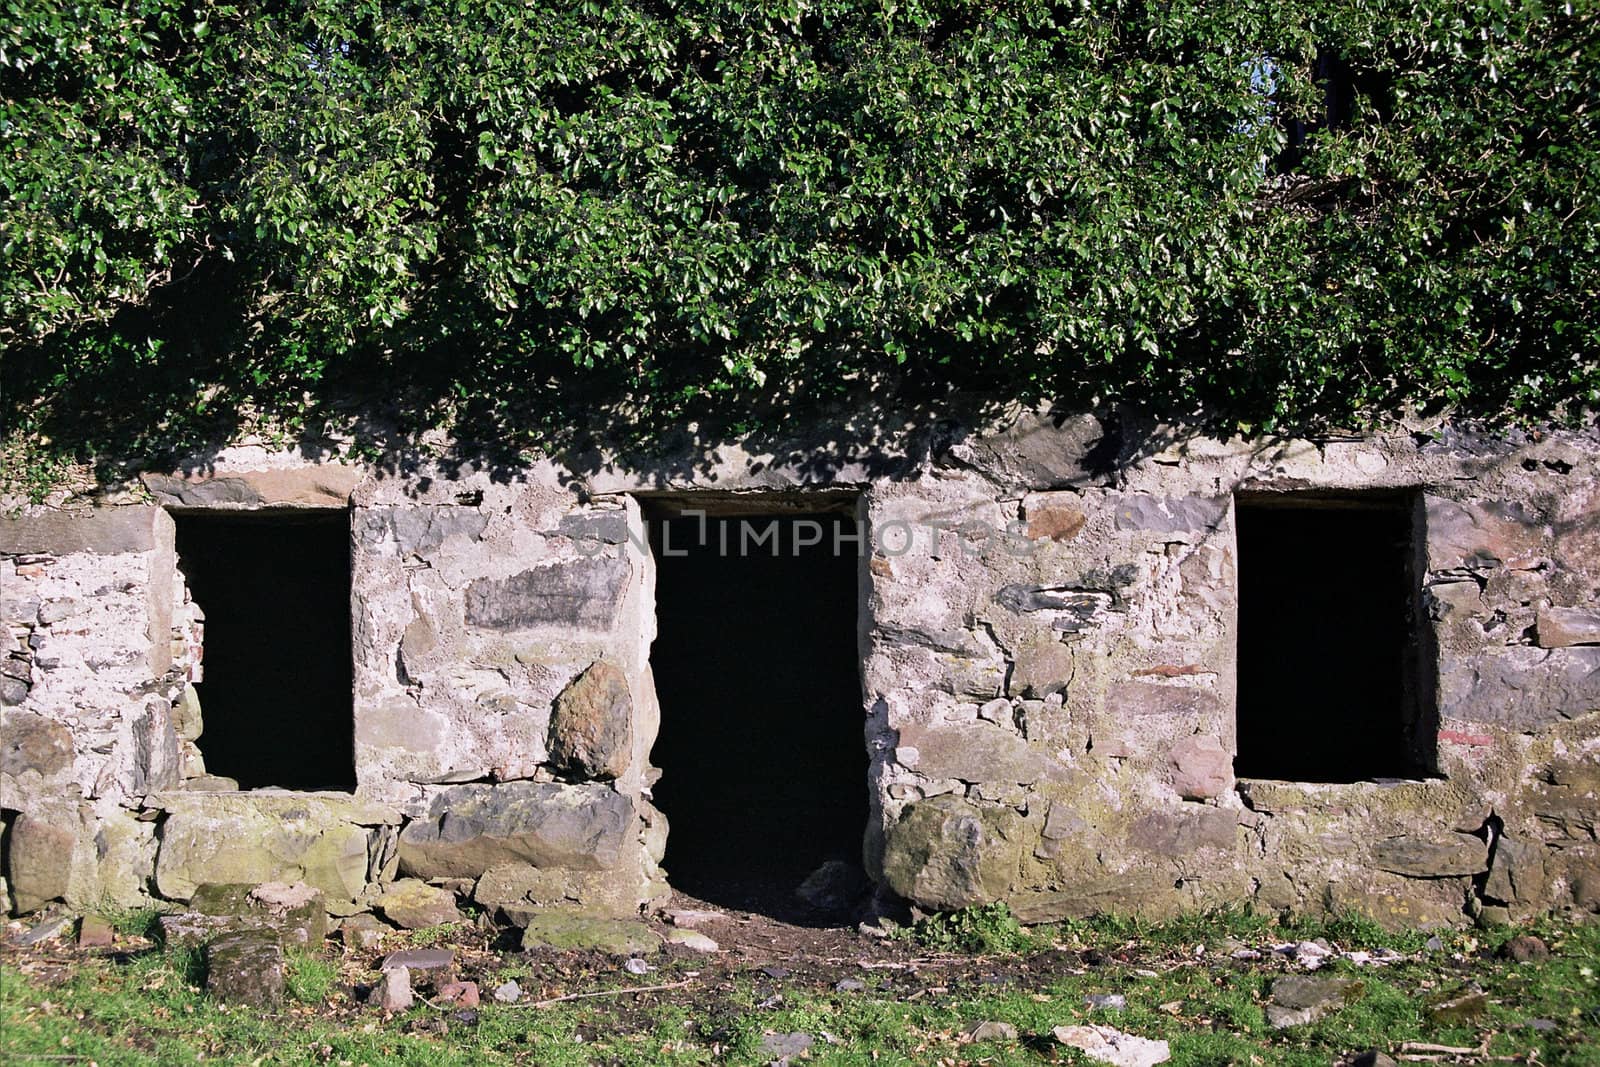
(461, 994)
(1459, 1007)
(991, 1031)
(419, 959)
(393, 991)
(1105, 1044)
(774, 971)
(693, 940)
(691, 917)
(246, 967)
(619, 937)
(834, 886)
(635, 965)
(849, 985)
(1370, 1058)
(362, 932)
(1300, 999)
(1525, 948)
(45, 931)
(1544, 1026)
(1106, 1001)
(786, 1046)
(413, 904)
(1435, 944)
(507, 992)
(95, 932)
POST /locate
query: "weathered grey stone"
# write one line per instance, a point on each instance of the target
(362, 932)
(583, 593)
(1563, 627)
(567, 932)
(13, 691)
(246, 967)
(191, 929)
(412, 904)
(421, 531)
(974, 752)
(783, 1048)
(39, 855)
(156, 761)
(1299, 999)
(693, 940)
(186, 717)
(606, 527)
(1522, 687)
(103, 531)
(1041, 452)
(992, 1031)
(472, 828)
(1201, 768)
(211, 783)
(32, 743)
(1424, 857)
(947, 853)
(261, 842)
(591, 724)
(1188, 514)
(1517, 873)
(1180, 833)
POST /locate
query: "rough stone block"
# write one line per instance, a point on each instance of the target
(1201, 768)
(977, 752)
(1563, 627)
(591, 725)
(1481, 534)
(472, 828)
(243, 843)
(246, 967)
(34, 751)
(1041, 451)
(582, 593)
(1170, 515)
(157, 765)
(293, 910)
(39, 856)
(1423, 857)
(326, 485)
(572, 932)
(947, 853)
(102, 531)
(412, 904)
(1521, 687)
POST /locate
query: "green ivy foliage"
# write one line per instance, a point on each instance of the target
(495, 207)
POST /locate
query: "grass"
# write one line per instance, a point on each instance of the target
(149, 1009)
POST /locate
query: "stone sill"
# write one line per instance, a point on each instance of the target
(1275, 795)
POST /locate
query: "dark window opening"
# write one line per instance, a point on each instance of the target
(275, 695)
(761, 750)
(1330, 678)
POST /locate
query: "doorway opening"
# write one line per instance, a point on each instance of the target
(756, 662)
(1330, 644)
(275, 694)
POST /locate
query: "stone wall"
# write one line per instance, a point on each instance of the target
(1048, 661)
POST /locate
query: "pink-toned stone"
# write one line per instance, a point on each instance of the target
(1201, 768)
(461, 994)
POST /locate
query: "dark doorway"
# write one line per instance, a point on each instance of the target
(762, 755)
(275, 698)
(1328, 641)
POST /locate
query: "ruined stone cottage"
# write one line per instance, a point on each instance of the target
(1070, 663)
